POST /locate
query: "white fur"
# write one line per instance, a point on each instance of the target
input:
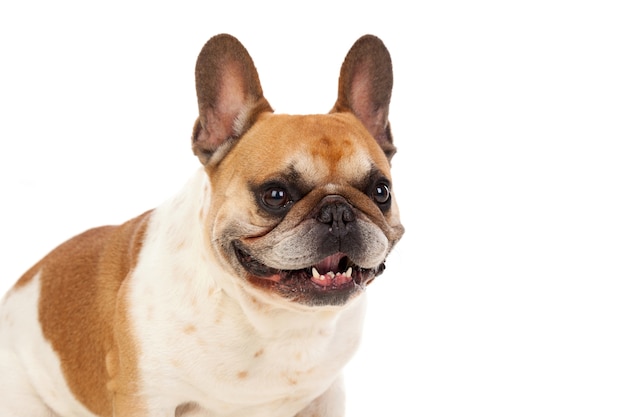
(204, 337)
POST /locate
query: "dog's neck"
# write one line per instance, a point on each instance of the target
(183, 221)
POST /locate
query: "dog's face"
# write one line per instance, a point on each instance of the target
(302, 207)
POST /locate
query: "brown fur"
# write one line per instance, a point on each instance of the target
(82, 310)
(275, 135)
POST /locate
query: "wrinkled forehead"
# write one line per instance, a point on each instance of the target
(333, 148)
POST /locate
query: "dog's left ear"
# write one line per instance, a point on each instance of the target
(365, 84)
(230, 97)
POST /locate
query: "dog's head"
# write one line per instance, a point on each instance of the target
(302, 208)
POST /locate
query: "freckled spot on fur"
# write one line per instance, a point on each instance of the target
(242, 374)
(258, 353)
(175, 363)
(219, 315)
(189, 329)
(298, 356)
(258, 304)
(290, 379)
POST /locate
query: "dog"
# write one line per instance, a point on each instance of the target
(243, 295)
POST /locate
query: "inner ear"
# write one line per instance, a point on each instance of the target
(371, 109)
(230, 96)
(365, 85)
(218, 119)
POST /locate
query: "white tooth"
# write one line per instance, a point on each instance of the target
(349, 272)
(315, 273)
(331, 274)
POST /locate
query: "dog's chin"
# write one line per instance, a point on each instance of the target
(332, 281)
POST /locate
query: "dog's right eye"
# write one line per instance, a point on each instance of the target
(276, 198)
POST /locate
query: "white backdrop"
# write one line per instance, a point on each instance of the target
(507, 296)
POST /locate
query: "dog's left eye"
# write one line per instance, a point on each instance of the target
(276, 198)
(381, 193)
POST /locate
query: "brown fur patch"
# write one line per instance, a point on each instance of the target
(189, 329)
(328, 146)
(82, 311)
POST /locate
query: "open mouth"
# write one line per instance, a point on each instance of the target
(332, 280)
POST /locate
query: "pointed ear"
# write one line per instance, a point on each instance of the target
(230, 97)
(365, 84)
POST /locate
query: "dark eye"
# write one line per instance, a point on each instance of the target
(381, 193)
(276, 198)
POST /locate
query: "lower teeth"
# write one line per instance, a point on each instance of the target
(330, 274)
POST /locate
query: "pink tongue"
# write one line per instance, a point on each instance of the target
(328, 272)
(330, 263)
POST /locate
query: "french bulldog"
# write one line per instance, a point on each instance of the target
(244, 294)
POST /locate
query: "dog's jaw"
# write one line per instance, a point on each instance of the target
(334, 280)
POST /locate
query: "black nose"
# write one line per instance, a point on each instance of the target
(337, 213)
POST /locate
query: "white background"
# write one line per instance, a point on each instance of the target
(507, 296)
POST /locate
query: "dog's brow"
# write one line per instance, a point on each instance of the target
(290, 176)
(293, 176)
(372, 175)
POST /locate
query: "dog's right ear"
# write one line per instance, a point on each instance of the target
(230, 97)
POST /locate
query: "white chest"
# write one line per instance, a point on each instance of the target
(197, 344)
